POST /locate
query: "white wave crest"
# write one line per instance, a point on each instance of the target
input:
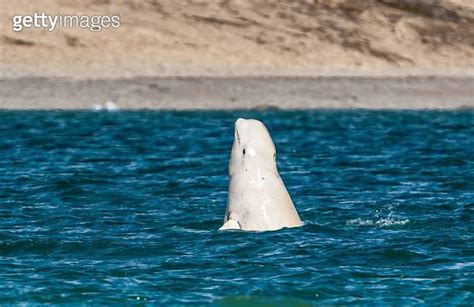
(382, 222)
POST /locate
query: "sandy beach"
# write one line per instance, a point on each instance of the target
(416, 92)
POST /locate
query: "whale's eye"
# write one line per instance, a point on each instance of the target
(243, 151)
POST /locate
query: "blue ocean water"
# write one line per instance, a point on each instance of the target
(124, 207)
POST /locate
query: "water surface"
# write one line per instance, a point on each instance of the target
(120, 207)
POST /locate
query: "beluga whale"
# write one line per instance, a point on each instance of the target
(257, 197)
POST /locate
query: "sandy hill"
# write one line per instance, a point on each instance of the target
(232, 37)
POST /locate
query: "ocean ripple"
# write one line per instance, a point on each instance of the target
(123, 207)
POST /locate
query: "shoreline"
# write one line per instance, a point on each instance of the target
(412, 92)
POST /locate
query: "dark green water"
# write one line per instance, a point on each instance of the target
(124, 207)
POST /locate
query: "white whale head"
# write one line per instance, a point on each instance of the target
(253, 145)
(257, 198)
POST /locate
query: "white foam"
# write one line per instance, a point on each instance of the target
(382, 222)
(460, 265)
(110, 106)
(97, 107)
(360, 222)
(385, 222)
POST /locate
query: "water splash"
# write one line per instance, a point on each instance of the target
(108, 106)
(380, 220)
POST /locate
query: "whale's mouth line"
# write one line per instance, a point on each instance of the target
(238, 135)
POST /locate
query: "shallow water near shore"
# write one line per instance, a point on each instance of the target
(123, 207)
